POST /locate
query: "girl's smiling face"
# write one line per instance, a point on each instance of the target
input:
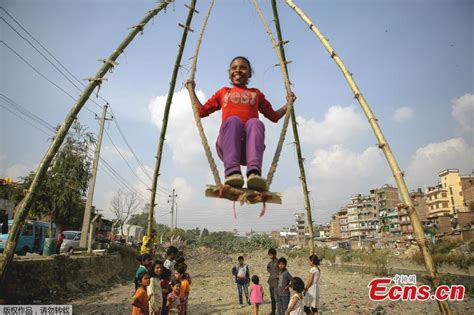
(239, 72)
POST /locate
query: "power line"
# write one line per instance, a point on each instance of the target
(25, 112)
(124, 159)
(72, 75)
(43, 76)
(80, 82)
(140, 164)
(47, 59)
(48, 52)
(28, 122)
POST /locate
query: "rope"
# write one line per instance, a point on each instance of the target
(202, 135)
(286, 80)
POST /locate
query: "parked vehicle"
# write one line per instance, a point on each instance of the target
(32, 237)
(71, 241)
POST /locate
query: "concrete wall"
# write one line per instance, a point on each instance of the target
(55, 278)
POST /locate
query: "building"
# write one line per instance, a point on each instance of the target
(343, 224)
(386, 202)
(297, 234)
(339, 224)
(467, 184)
(419, 203)
(6, 208)
(362, 217)
(437, 201)
(335, 227)
(451, 181)
(300, 226)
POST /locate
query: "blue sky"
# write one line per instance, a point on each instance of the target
(411, 59)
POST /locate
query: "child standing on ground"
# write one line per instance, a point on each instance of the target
(181, 261)
(171, 254)
(241, 139)
(296, 306)
(273, 271)
(184, 289)
(242, 279)
(284, 280)
(256, 294)
(154, 289)
(146, 262)
(311, 298)
(140, 299)
(172, 301)
(165, 288)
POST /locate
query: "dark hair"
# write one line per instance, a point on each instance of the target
(272, 251)
(255, 279)
(175, 282)
(244, 59)
(297, 284)
(146, 257)
(240, 258)
(140, 276)
(282, 260)
(180, 260)
(166, 274)
(156, 263)
(315, 260)
(171, 250)
(181, 266)
(181, 270)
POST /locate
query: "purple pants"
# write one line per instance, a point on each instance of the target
(241, 144)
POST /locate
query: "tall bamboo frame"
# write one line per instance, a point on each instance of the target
(382, 144)
(23, 207)
(169, 99)
(294, 125)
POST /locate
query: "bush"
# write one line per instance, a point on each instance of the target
(380, 259)
(328, 254)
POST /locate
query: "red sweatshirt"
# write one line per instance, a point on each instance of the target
(239, 101)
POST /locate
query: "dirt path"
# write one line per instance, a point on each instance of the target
(213, 291)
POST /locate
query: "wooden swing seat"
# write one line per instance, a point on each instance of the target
(243, 195)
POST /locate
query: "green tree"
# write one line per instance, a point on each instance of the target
(141, 220)
(62, 192)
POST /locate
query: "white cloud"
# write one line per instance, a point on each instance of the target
(463, 112)
(429, 160)
(402, 114)
(184, 190)
(18, 170)
(339, 125)
(339, 173)
(108, 152)
(181, 134)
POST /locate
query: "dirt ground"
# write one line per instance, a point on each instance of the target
(214, 292)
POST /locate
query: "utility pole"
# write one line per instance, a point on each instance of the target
(90, 191)
(174, 214)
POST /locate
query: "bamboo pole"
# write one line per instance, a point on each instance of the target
(284, 72)
(383, 144)
(23, 207)
(202, 135)
(307, 204)
(169, 99)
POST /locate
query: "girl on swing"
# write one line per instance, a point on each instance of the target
(241, 139)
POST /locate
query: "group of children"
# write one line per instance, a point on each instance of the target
(305, 299)
(161, 287)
